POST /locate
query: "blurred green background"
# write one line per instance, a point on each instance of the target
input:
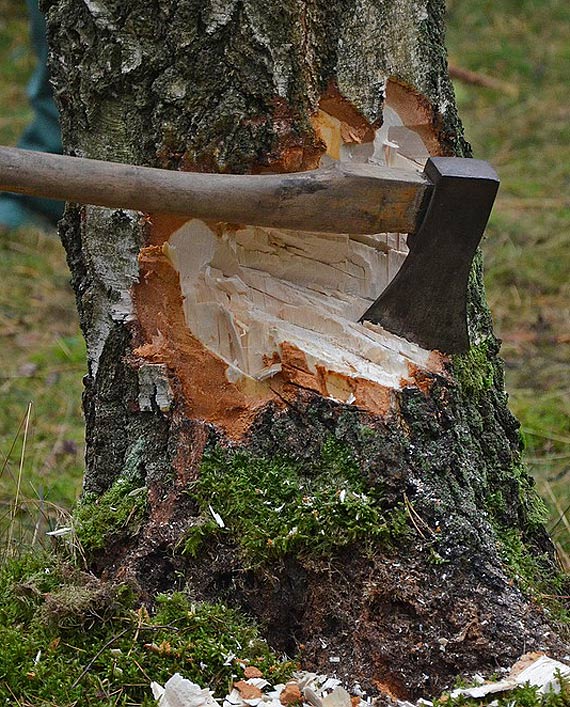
(523, 127)
(521, 124)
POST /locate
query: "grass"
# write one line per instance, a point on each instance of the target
(40, 383)
(42, 349)
(523, 696)
(523, 130)
(67, 638)
(17, 64)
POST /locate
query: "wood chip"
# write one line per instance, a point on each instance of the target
(252, 672)
(339, 697)
(290, 695)
(247, 691)
(312, 698)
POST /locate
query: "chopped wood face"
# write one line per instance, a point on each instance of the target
(250, 291)
(279, 309)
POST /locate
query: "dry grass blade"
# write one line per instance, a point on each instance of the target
(562, 512)
(416, 519)
(7, 457)
(19, 480)
(107, 645)
(563, 559)
(561, 551)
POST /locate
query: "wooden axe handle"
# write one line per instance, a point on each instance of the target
(346, 198)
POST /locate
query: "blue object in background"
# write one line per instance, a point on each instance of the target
(43, 134)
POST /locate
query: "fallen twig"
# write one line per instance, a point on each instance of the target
(475, 78)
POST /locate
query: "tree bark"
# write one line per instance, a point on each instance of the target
(376, 515)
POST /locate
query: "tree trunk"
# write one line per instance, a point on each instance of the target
(362, 497)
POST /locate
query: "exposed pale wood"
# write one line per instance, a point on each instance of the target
(250, 293)
(343, 199)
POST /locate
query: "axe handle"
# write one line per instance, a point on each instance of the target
(353, 198)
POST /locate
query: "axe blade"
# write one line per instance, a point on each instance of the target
(426, 302)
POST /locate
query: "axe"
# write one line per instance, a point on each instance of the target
(444, 210)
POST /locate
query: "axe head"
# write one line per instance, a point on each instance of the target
(426, 302)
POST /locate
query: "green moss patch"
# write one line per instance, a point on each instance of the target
(526, 696)
(535, 575)
(475, 370)
(120, 510)
(530, 564)
(67, 638)
(277, 506)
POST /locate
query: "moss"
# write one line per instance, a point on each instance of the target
(531, 510)
(120, 510)
(535, 575)
(496, 503)
(525, 557)
(67, 638)
(367, 433)
(197, 534)
(475, 369)
(525, 551)
(524, 566)
(532, 506)
(273, 506)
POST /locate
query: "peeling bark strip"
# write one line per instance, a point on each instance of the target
(371, 493)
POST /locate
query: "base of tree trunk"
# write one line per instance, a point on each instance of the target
(435, 594)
